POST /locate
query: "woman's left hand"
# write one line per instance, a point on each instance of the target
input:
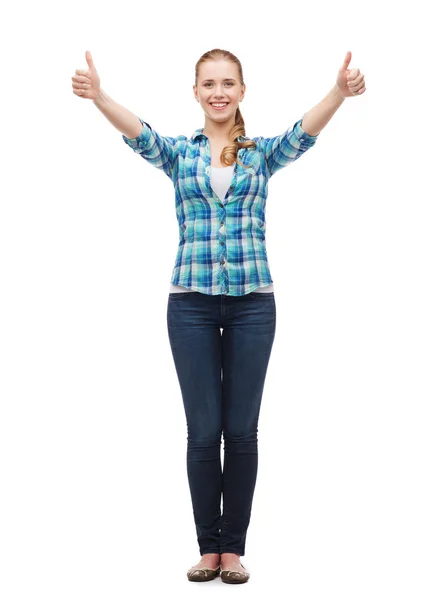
(350, 83)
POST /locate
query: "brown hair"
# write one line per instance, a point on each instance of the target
(229, 152)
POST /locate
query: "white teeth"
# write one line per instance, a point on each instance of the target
(219, 105)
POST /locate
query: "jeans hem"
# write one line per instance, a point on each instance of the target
(232, 551)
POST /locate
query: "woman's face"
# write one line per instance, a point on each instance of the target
(219, 82)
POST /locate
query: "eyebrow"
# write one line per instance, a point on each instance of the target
(226, 79)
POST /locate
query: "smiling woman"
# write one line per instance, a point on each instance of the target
(221, 313)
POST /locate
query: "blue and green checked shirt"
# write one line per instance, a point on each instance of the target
(222, 247)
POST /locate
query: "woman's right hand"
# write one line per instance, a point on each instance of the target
(86, 82)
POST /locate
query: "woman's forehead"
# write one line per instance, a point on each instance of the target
(218, 70)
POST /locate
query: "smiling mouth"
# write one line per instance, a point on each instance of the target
(221, 106)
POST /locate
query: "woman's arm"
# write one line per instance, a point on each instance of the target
(123, 119)
(137, 134)
(316, 118)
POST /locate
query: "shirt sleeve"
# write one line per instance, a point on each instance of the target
(158, 150)
(284, 149)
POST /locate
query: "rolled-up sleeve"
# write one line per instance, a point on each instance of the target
(156, 149)
(281, 150)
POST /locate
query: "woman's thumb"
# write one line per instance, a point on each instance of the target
(89, 60)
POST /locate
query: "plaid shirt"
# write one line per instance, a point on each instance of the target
(222, 248)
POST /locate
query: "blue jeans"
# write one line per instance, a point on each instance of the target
(221, 376)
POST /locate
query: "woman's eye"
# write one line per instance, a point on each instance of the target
(227, 83)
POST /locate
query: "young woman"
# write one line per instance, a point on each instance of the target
(221, 312)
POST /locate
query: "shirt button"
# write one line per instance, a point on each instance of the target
(231, 188)
(222, 243)
(222, 223)
(221, 204)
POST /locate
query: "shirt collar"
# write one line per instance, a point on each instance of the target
(198, 132)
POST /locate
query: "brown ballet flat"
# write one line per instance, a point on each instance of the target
(234, 576)
(206, 574)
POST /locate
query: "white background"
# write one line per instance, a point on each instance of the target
(94, 498)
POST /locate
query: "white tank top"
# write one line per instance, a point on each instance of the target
(221, 178)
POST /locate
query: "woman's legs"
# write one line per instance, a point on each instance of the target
(221, 380)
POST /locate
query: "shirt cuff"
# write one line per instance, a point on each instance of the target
(308, 140)
(141, 141)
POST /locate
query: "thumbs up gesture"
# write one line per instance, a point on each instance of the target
(86, 82)
(350, 83)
